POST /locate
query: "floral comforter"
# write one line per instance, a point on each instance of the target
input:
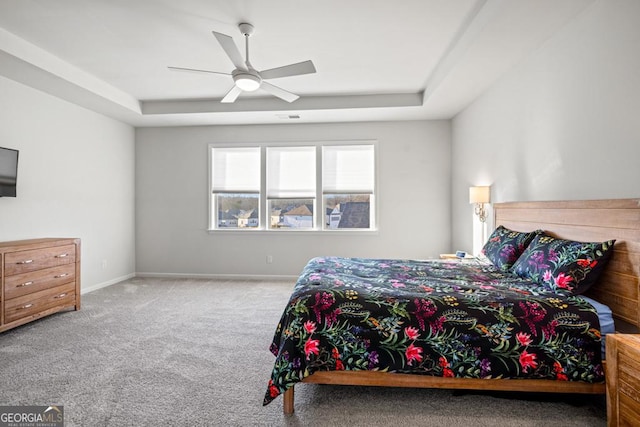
(451, 319)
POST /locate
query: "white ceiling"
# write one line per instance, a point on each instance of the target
(375, 59)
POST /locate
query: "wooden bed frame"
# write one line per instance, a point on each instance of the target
(592, 220)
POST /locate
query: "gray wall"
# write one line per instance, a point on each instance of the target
(75, 179)
(564, 124)
(172, 200)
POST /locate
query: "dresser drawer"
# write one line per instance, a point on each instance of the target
(37, 259)
(29, 304)
(27, 283)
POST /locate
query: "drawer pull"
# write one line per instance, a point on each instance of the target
(27, 261)
(60, 275)
(62, 255)
(26, 306)
(22, 285)
(61, 296)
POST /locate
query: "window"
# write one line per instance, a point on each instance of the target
(235, 187)
(300, 187)
(348, 176)
(291, 187)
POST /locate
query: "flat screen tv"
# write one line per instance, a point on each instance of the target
(8, 172)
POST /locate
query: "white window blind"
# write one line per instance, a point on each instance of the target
(291, 172)
(348, 169)
(236, 169)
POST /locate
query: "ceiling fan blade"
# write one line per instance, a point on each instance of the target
(305, 67)
(231, 49)
(196, 70)
(232, 95)
(279, 92)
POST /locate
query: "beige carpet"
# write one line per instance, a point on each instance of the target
(151, 352)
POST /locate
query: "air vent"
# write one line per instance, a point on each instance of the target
(288, 116)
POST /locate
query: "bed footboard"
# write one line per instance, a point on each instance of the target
(386, 379)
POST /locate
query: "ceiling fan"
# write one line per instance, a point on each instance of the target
(248, 79)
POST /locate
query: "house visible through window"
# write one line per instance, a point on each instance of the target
(293, 187)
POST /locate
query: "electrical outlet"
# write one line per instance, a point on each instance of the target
(104, 264)
(269, 259)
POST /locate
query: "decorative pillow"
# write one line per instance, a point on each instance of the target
(505, 246)
(563, 265)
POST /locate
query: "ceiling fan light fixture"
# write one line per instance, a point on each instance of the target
(247, 82)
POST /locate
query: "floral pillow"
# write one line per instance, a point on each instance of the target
(563, 265)
(505, 246)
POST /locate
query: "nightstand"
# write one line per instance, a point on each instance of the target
(623, 380)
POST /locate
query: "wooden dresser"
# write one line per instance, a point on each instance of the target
(39, 277)
(623, 380)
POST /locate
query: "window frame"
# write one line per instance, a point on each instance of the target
(319, 214)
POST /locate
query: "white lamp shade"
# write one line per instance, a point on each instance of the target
(479, 194)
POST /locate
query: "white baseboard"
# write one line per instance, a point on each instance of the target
(265, 277)
(255, 277)
(97, 286)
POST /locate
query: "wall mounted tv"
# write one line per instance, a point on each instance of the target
(8, 172)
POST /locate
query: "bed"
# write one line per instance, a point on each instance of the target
(427, 324)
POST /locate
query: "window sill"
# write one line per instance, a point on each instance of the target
(297, 232)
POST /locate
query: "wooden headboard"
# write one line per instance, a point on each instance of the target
(592, 221)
